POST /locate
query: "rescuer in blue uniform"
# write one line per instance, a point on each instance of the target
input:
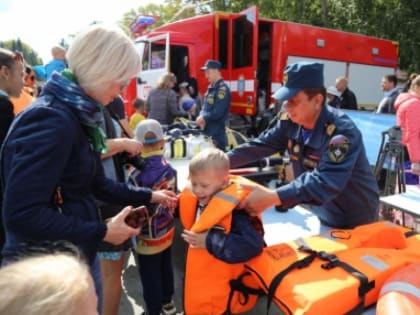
(332, 173)
(214, 113)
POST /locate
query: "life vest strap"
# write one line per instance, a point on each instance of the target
(299, 264)
(238, 285)
(332, 261)
(411, 233)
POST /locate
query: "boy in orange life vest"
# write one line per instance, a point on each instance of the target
(221, 238)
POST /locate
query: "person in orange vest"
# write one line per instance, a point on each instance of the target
(221, 238)
(28, 93)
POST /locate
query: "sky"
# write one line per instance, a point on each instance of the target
(43, 23)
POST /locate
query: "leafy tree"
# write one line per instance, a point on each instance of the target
(31, 57)
(392, 19)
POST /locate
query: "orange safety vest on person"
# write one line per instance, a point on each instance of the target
(24, 100)
(340, 273)
(206, 283)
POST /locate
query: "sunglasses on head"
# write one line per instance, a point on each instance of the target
(9, 60)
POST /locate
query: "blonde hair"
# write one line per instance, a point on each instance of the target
(415, 81)
(211, 158)
(58, 52)
(101, 55)
(341, 79)
(46, 285)
(165, 79)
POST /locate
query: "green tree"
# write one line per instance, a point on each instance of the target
(31, 57)
(391, 19)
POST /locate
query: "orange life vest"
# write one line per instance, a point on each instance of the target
(401, 292)
(339, 273)
(207, 287)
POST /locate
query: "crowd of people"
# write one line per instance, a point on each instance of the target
(74, 168)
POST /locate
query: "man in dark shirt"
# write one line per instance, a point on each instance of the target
(347, 99)
(333, 177)
(11, 83)
(391, 91)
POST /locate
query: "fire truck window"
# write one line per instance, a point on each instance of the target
(223, 40)
(158, 59)
(242, 42)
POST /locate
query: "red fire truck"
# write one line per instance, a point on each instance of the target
(255, 50)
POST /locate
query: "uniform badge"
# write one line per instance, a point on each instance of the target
(329, 129)
(338, 148)
(221, 93)
(296, 148)
(309, 163)
(210, 99)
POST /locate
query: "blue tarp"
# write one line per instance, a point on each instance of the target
(371, 126)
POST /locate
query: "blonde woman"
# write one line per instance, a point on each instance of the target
(162, 103)
(51, 167)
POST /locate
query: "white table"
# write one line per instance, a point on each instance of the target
(407, 202)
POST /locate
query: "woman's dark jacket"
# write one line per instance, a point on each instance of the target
(48, 150)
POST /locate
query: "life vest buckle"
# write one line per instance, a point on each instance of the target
(332, 260)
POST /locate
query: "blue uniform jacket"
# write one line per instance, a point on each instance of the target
(46, 149)
(215, 112)
(332, 173)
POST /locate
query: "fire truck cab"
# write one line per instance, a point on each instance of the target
(254, 51)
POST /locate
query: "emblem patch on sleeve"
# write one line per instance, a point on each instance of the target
(221, 93)
(210, 99)
(338, 148)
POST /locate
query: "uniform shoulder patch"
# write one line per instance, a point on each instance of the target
(221, 93)
(338, 148)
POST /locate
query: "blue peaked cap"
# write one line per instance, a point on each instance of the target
(298, 76)
(212, 64)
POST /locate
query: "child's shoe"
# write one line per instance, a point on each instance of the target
(169, 308)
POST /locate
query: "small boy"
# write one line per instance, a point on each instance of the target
(190, 108)
(138, 116)
(220, 237)
(155, 238)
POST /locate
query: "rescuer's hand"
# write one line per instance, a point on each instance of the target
(259, 199)
(200, 122)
